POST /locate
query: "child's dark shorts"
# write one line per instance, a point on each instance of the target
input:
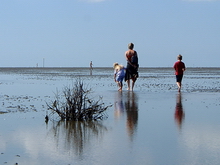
(179, 78)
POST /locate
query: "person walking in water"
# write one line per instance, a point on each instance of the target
(132, 66)
(179, 68)
(119, 74)
(91, 68)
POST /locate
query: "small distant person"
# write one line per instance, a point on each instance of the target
(179, 67)
(119, 74)
(132, 66)
(91, 68)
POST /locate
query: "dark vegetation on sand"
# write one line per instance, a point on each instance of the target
(75, 104)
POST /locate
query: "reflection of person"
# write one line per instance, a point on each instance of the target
(119, 104)
(132, 67)
(132, 113)
(119, 74)
(179, 113)
(179, 67)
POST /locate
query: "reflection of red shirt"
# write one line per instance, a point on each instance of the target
(179, 66)
(179, 114)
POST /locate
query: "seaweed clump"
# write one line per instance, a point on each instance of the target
(75, 105)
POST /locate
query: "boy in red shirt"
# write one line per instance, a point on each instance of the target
(179, 67)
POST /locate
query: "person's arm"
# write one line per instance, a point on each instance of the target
(184, 68)
(115, 75)
(128, 59)
(174, 66)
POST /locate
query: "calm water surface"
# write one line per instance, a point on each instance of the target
(152, 125)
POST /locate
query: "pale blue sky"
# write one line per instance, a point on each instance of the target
(71, 33)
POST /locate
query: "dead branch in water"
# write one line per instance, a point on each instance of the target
(76, 105)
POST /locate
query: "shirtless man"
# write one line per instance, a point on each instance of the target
(131, 69)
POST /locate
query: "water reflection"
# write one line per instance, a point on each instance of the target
(179, 113)
(75, 136)
(119, 105)
(132, 113)
(127, 102)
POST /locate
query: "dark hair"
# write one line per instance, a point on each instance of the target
(130, 46)
(179, 57)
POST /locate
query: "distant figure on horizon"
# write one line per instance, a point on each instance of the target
(119, 74)
(91, 68)
(179, 67)
(132, 66)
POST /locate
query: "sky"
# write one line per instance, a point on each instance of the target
(71, 33)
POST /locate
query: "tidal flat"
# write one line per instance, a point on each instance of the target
(152, 125)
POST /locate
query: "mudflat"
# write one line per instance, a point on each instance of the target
(154, 124)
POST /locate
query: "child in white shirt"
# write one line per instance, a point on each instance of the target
(119, 74)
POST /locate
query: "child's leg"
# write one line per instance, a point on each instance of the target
(179, 86)
(120, 85)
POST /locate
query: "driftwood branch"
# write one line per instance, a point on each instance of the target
(76, 105)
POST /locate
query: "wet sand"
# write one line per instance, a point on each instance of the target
(153, 125)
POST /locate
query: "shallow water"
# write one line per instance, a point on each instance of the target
(152, 125)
